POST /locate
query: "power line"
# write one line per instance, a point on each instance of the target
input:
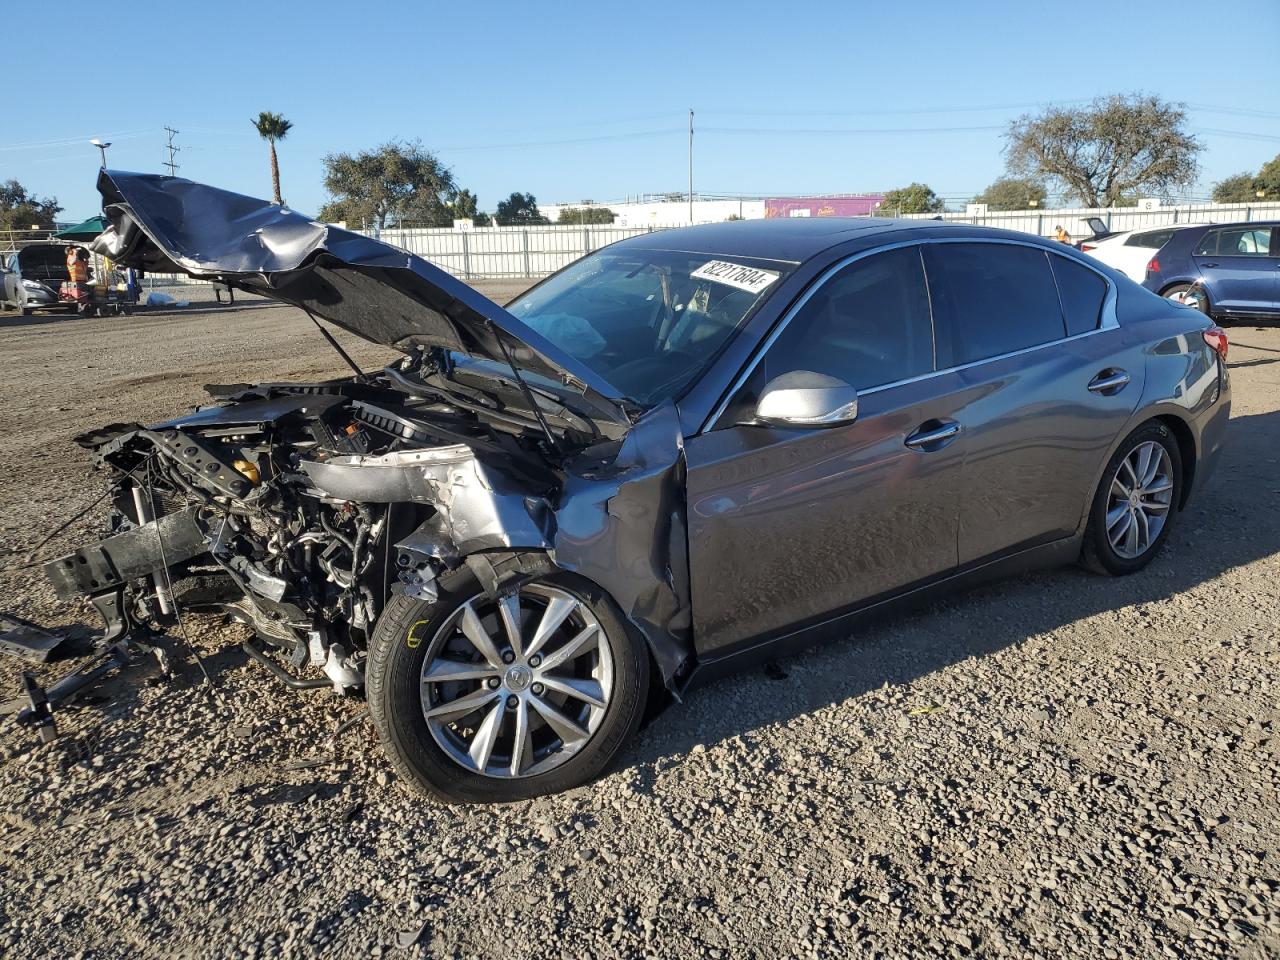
(69, 141)
(842, 131)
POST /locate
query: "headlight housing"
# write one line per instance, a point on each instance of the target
(33, 285)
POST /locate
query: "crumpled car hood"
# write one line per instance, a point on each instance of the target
(374, 290)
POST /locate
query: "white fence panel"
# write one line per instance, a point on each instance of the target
(498, 252)
(507, 251)
(1044, 222)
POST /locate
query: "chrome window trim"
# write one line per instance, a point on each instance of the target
(1108, 320)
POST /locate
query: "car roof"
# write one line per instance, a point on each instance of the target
(790, 239)
(1243, 223)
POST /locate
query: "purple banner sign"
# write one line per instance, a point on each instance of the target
(859, 206)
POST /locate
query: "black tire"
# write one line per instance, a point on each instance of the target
(1201, 296)
(27, 311)
(393, 688)
(1097, 553)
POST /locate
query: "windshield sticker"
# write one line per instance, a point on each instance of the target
(751, 279)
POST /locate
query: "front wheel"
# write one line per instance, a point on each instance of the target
(491, 699)
(1135, 503)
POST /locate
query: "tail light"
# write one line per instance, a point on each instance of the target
(1086, 247)
(1216, 337)
(1153, 265)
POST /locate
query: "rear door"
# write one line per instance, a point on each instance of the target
(1239, 267)
(789, 526)
(1048, 385)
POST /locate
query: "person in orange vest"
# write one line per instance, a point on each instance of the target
(1061, 235)
(77, 265)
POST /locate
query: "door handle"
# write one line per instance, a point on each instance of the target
(933, 435)
(1208, 264)
(1109, 381)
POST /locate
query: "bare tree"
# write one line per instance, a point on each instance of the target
(1114, 146)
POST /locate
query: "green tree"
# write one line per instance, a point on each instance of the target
(21, 210)
(520, 209)
(1237, 188)
(273, 127)
(1012, 193)
(397, 181)
(585, 215)
(1268, 180)
(464, 206)
(1097, 153)
(916, 198)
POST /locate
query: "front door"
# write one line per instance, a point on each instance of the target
(1239, 266)
(790, 526)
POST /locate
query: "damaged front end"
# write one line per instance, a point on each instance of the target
(300, 510)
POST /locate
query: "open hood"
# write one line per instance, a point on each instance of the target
(376, 291)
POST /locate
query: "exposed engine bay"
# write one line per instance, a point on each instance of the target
(298, 509)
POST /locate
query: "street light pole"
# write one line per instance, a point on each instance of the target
(102, 147)
(691, 166)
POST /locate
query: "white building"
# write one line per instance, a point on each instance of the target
(666, 213)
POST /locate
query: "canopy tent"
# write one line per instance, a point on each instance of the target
(88, 230)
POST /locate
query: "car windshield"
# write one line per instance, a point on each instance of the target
(648, 321)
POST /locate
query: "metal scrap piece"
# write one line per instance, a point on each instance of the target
(27, 641)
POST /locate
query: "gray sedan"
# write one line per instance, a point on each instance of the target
(684, 453)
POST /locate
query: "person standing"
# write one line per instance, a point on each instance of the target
(1061, 235)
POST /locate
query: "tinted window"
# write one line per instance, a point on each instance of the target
(1152, 239)
(990, 299)
(1235, 242)
(1082, 292)
(867, 325)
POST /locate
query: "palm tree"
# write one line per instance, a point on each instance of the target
(273, 127)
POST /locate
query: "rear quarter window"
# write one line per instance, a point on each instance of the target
(1082, 292)
(991, 299)
(1151, 239)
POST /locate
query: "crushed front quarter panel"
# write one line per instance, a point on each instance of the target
(618, 520)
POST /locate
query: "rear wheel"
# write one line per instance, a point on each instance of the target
(1134, 506)
(489, 699)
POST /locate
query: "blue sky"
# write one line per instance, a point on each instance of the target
(588, 100)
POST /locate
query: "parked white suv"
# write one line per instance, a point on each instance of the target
(1131, 251)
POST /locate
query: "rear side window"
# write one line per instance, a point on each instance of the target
(1235, 242)
(990, 299)
(868, 324)
(1151, 240)
(1082, 292)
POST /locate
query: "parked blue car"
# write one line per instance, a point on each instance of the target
(1224, 269)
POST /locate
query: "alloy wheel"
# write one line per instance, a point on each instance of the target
(514, 687)
(1140, 498)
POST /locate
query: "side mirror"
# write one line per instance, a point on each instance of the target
(803, 398)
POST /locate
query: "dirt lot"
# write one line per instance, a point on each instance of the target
(1057, 766)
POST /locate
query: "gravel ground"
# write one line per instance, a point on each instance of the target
(1056, 766)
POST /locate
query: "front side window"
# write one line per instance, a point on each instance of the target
(869, 324)
(991, 299)
(1235, 242)
(1082, 293)
(648, 321)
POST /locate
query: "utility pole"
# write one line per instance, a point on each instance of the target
(173, 149)
(691, 166)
